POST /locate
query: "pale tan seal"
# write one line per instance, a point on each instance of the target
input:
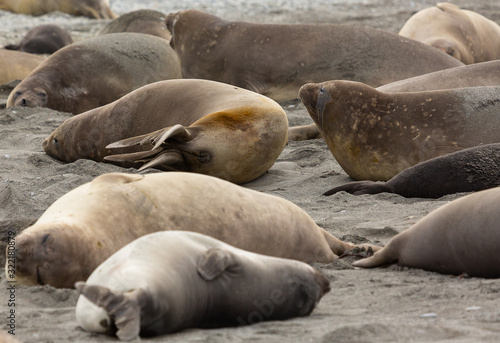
(98, 9)
(142, 21)
(96, 71)
(457, 238)
(87, 225)
(375, 135)
(43, 39)
(166, 282)
(16, 65)
(200, 126)
(276, 60)
(463, 34)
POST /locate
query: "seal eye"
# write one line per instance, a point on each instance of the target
(55, 141)
(322, 90)
(41, 94)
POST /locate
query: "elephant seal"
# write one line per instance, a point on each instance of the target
(459, 237)
(463, 34)
(473, 75)
(98, 9)
(16, 65)
(88, 224)
(467, 170)
(200, 126)
(142, 21)
(43, 39)
(276, 60)
(96, 71)
(375, 135)
(166, 282)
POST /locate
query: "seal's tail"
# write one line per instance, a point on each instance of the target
(125, 308)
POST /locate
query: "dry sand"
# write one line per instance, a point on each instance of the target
(378, 305)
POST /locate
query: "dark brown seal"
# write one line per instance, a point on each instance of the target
(214, 285)
(96, 71)
(457, 238)
(43, 39)
(467, 170)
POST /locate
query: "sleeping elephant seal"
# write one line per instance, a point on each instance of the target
(459, 237)
(467, 170)
(473, 75)
(276, 60)
(43, 39)
(200, 126)
(166, 282)
(88, 224)
(98, 9)
(463, 34)
(96, 71)
(375, 135)
(16, 65)
(142, 21)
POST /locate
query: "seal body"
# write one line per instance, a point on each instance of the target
(98, 9)
(466, 170)
(142, 21)
(463, 34)
(169, 281)
(88, 224)
(95, 72)
(203, 126)
(16, 65)
(275, 60)
(375, 135)
(459, 237)
(43, 39)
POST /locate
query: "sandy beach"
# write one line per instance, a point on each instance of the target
(391, 304)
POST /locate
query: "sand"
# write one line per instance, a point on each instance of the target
(379, 305)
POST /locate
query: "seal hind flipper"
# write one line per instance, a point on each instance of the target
(361, 187)
(125, 308)
(213, 263)
(164, 159)
(383, 257)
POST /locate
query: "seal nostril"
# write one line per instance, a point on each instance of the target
(23, 102)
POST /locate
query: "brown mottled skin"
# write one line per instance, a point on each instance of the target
(375, 135)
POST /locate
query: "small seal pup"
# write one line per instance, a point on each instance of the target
(463, 34)
(142, 21)
(276, 60)
(96, 71)
(43, 39)
(84, 227)
(192, 125)
(466, 170)
(169, 281)
(375, 135)
(97, 9)
(459, 237)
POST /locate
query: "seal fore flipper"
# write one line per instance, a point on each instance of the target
(125, 308)
(154, 138)
(214, 262)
